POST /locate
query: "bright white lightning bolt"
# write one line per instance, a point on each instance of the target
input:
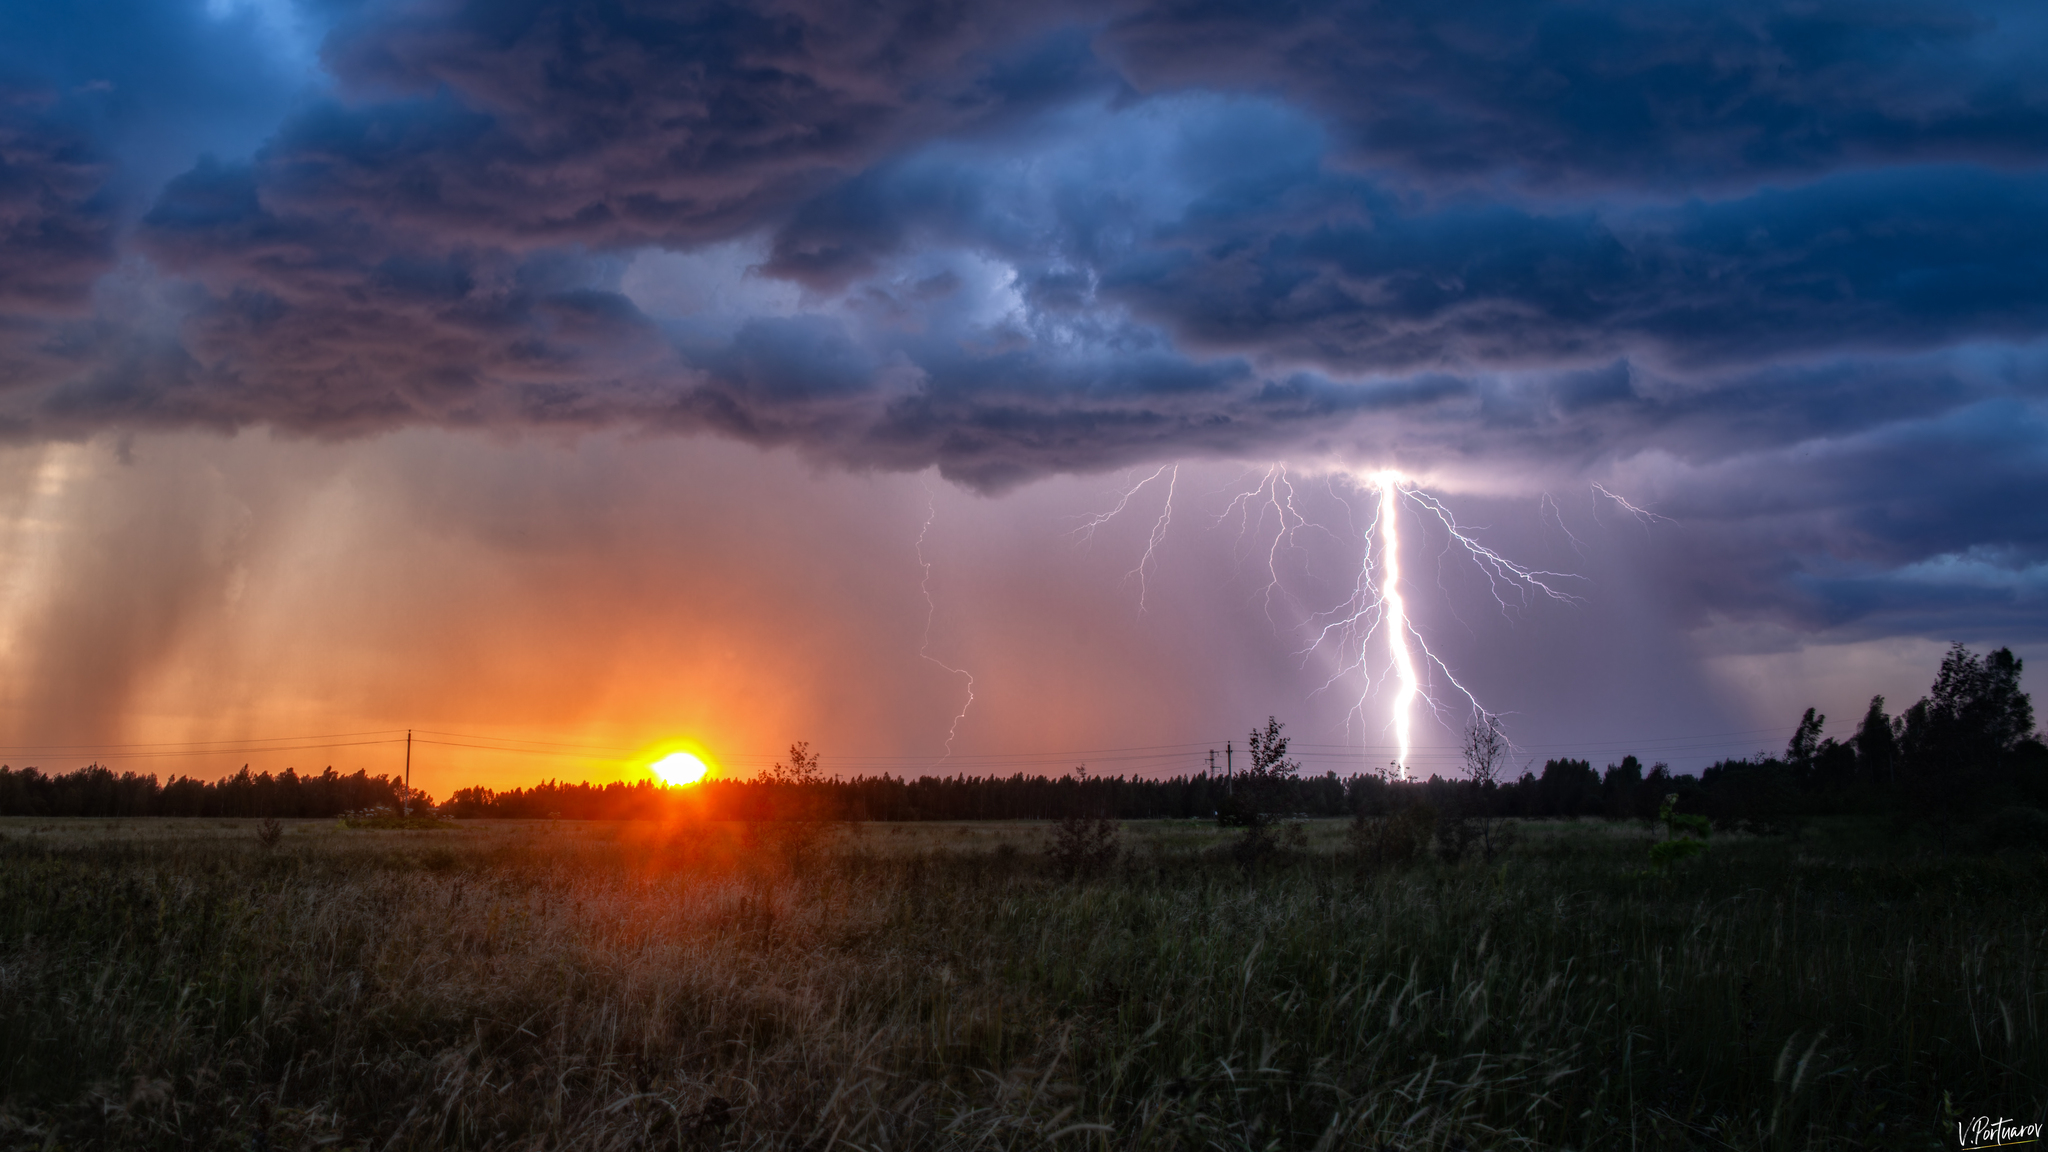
(931, 608)
(1378, 604)
(1389, 521)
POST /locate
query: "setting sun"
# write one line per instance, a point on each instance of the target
(679, 768)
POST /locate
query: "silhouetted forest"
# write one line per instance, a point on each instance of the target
(97, 791)
(1966, 753)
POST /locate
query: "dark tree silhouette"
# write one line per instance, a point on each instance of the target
(1485, 748)
(1877, 745)
(1261, 790)
(1960, 746)
(1974, 716)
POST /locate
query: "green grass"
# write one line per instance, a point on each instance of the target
(171, 984)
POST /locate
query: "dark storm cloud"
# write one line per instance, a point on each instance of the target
(154, 84)
(1572, 97)
(430, 243)
(1936, 526)
(56, 229)
(1269, 253)
(56, 239)
(609, 124)
(1015, 241)
(430, 246)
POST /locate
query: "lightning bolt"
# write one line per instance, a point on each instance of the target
(931, 608)
(1149, 561)
(1642, 515)
(1378, 607)
(1398, 628)
(1275, 493)
(1549, 507)
(1499, 570)
(1375, 617)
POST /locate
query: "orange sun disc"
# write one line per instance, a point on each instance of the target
(679, 768)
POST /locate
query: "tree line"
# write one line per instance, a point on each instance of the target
(1966, 750)
(98, 791)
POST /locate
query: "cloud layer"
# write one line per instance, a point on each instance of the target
(1781, 267)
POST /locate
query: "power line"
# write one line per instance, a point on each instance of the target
(1135, 756)
(245, 740)
(228, 753)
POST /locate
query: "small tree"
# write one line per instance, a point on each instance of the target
(1085, 845)
(801, 769)
(1805, 742)
(1877, 744)
(1268, 750)
(1256, 793)
(1486, 749)
(1684, 834)
(1392, 841)
(799, 803)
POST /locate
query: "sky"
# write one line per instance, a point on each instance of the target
(972, 388)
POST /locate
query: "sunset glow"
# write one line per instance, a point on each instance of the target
(1031, 396)
(678, 769)
(788, 575)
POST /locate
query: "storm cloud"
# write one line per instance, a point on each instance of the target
(1783, 267)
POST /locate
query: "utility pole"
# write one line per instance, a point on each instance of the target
(404, 804)
(1226, 760)
(1212, 762)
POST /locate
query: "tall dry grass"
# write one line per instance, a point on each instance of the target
(597, 987)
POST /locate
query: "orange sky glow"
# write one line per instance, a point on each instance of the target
(573, 608)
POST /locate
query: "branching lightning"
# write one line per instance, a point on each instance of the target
(1087, 531)
(1150, 558)
(1501, 573)
(1548, 509)
(1274, 492)
(1375, 618)
(1149, 562)
(931, 608)
(1379, 606)
(1642, 515)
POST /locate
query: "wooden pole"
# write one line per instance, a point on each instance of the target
(405, 802)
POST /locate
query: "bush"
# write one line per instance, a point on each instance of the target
(1392, 841)
(2016, 827)
(1265, 840)
(1085, 845)
(1685, 835)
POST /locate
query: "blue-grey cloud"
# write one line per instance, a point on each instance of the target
(56, 228)
(1013, 242)
(1665, 96)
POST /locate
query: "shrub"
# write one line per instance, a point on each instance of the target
(1392, 841)
(1085, 845)
(2016, 827)
(1685, 835)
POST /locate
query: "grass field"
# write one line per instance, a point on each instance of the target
(176, 984)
